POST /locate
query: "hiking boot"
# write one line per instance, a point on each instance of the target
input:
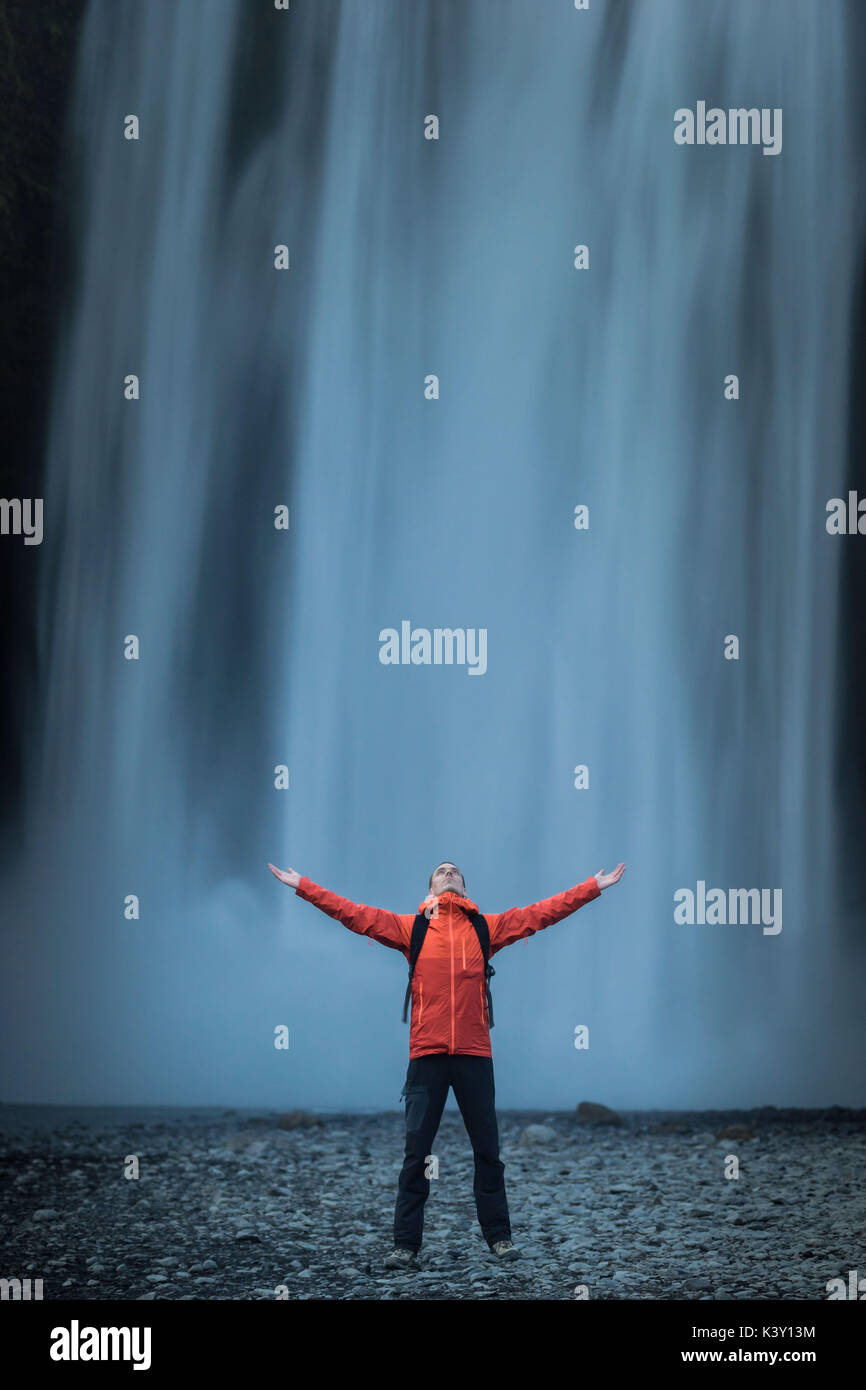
(401, 1258)
(504, 1250)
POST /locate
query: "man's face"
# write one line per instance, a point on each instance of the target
(447, 878)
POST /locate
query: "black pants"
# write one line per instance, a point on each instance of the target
(426, 1090)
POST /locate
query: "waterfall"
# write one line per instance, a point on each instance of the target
(305, 387)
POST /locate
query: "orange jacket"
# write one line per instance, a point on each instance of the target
(449, 1009)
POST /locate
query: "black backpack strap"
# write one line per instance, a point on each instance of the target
(416, 941)
(482, 931)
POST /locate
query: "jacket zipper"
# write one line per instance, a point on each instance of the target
(420, 1002)
(451, 937)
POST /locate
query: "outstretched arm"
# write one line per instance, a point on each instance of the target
(518, 922)
(391, 928)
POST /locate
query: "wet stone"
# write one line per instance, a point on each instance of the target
(237, 1208)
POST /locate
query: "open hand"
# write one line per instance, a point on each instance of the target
(287, 876)
(605, 880)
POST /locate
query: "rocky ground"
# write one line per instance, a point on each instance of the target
(236, 1206)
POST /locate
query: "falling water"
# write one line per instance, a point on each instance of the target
(306, 387)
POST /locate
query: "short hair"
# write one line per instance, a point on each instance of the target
(439, 866)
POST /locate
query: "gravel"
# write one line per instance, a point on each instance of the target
(235, 1207)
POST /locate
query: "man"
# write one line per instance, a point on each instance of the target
(449, 1041)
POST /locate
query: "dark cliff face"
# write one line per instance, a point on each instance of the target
(38, 44)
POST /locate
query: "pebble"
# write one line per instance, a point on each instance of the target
(538, 1134)
(235, 1207)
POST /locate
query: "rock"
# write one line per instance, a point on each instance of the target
(735, 1132)
(298, 1119)
(590, 1113)
(46, 1214)
(623, 1210)
(237, 1143)
(538, 1134)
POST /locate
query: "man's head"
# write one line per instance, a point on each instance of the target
(446, 877)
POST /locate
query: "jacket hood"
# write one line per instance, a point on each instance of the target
(449, 897)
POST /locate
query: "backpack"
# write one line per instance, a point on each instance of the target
(419, 932)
